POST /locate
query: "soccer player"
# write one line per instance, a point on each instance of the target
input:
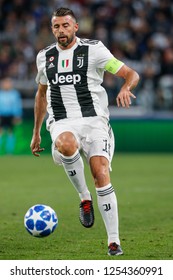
(70, 73)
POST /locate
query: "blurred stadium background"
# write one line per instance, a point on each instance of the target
(140, 33)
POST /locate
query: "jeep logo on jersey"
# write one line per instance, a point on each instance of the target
(66, 78)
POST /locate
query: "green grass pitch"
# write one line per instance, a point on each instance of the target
(144, 187)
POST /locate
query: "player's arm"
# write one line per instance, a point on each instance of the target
(131, 78)
(39, 115)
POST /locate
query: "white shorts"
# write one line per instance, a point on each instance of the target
(94, 136)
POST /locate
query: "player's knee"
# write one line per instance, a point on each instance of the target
(100, 180)
(66, 143)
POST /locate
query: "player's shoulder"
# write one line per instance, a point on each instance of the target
(89, 42)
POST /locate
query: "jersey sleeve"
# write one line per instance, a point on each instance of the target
(106, 60)
(40, 78)
(113, 65)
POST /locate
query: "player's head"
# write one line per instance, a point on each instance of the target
(64, 27)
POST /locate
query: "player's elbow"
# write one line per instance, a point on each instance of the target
(136, 78)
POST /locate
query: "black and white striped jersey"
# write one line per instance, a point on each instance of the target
(74, 77)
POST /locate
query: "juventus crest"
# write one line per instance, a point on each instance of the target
(80, 60)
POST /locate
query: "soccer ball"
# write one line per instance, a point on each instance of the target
(40, 220)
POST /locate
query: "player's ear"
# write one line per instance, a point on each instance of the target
(76, 27)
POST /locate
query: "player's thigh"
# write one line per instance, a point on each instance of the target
(99, 141)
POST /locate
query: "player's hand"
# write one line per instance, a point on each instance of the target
(124, 98)
(35, 146)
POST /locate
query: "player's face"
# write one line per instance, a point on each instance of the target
(64, 29)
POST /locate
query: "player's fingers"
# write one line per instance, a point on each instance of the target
(132, 95)
(41, 150)
(118, 102)
(36, 151)
(35, 154)
(127, 99)
(121, 101)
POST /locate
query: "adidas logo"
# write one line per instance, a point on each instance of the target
(51, 66)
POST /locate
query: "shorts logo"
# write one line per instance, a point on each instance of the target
(80, 60)
(107, 146)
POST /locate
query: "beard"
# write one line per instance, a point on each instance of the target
(64, 41)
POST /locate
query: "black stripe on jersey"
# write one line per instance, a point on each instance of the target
(80, 66)
(58, 107)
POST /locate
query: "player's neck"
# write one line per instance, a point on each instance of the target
(69, 46)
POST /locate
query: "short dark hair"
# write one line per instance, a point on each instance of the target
(61, 12)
